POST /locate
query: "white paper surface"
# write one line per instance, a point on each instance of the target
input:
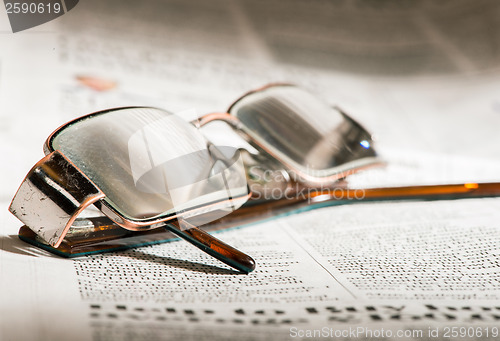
(413, 266)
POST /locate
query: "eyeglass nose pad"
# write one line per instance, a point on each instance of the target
(267, 178)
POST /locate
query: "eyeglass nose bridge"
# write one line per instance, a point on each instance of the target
(57, 189)
(217, 116)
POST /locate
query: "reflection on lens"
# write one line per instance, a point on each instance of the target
(308, 136)
(152, 164)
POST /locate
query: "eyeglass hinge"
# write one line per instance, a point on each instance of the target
(52, 195)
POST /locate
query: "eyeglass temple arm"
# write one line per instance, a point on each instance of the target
(426, 192)
(213, 246)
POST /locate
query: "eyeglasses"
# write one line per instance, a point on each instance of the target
(146, 168)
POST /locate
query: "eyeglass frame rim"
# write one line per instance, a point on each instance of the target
(106, 208)
(307, 179)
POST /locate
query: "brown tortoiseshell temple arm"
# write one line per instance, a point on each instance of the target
(426, 192)
(213, 246)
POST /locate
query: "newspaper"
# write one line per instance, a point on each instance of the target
(392, 270)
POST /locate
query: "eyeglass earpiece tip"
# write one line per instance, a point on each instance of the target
(247, 265)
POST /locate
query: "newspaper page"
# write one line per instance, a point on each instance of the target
(426, 86)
